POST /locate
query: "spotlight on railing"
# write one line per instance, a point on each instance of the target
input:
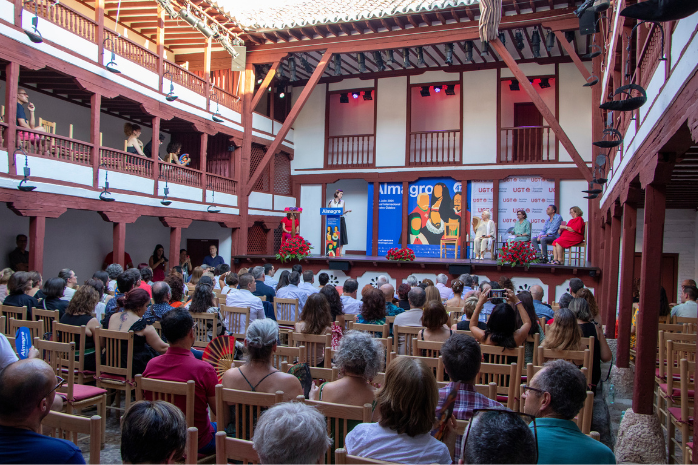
(170, 97)
(33, 33)
(420, 56)
(518, 40)
(449, 54)
(292, 68)
(22, 184)
(111, 66)
(337, 64)
(164, 200)
(535, 43)
(362, 62)
(217, 115)
(469, 51)
(212, 208)
(105, 195)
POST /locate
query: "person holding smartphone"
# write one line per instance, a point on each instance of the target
(501, 326)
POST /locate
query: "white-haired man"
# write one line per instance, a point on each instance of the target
(484, 235)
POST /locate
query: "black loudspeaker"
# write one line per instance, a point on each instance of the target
(339, 265)
(458, 269)
(587, 22)
(592, 273)
(236, 261)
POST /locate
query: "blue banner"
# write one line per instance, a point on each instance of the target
(432, 203)
(389, 216)
(333, 226)
(330, 211)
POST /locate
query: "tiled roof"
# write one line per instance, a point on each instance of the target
(302, 13)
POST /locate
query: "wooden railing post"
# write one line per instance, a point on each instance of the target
(99, 19)
(95, 106)
(155, 152)
(202, 163)
(11, 81)
(207, 74)
(18, 13)
(160, 41)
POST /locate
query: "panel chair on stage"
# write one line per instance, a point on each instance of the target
(577, 254)
(450, 238)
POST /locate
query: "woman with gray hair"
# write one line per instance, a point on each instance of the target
(580, 308)
(358, 359)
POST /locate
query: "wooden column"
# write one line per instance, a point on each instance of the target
(37, 231)
(606, 279)
(160, 42)
(376, 199)
(612, 275)
(625, 312)
(207, 73)
(464, 218)
(323, 220)
(233, 223)
(155, 152)
(18, 14)
(11, 86)
(495, 204)
(119, 220)
(99, 19)
(648, 318)
(202, 163)
(95, 105)
(405, 210)
(175, 225)
(246, 154)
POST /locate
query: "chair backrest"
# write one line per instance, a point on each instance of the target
(452, 228)
(662, 339)
(587, 343)
(169, 391)
(426, 348)
(158, 327)
(680, 320)
(542, 324)
(676, 352)
(291, 355)
(18, 313)
(191, 448)
(578, 357)
(507, 378)
(49, 126)
(111, 343)
(314, 346)
(203, 321)
(76, 334)
(237, 450)
(3, 328)
(60, 356)
(345, 321)
(535, 340)
(62, 425)
(455, 313)
(342, 458)
(286, 311)
(671, 328)
(404, 335)
(47, 317)
(245, 406)
(317, 373)
(688, 383)
(435, 364)
(236, 320)
(35, 327)
(373, 330)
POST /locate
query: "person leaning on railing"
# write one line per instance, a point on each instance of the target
(173, 151)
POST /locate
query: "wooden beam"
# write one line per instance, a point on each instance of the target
(263, 87)
(573, 54)
(371, 26)
(542, 107)
(290, 119)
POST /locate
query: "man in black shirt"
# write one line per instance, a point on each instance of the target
(148, 149)
(19, 258)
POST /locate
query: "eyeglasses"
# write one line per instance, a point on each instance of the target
(526, 387)
(22, 93)
(61, 382)
(527, 419)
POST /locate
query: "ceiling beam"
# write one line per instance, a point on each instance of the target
(573, 54)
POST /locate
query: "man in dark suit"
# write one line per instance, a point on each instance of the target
(262, 289)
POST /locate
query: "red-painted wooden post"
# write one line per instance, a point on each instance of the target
(612, 289)
(11, 83)
(37, 231)
(625, 306)
(202, 164)
(119, 243)
(607, 279)
(175, 225)
(155, 153)
(95, 104)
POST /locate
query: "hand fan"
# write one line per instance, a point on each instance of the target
(183, 157)
(444, 414)
(23, 342)
(220, 353)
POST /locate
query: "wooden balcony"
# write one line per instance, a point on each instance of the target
(435, 148)
(65, 17)
(357, 151)
(221, 184)
(527, 144)
(125, 162)
(45, 145)
(131, 51)
(180, 174)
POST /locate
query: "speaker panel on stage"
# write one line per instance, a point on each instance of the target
(340, 265)
(459, 269)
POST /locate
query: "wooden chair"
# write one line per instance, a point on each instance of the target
(61, 357)
(505, 379)
(246, 408)
(49, 127)
(110, 374)
(286, 311)
(542, 322)
(450, 238)
(3, 328)
(682, 417)
(58, 425)
(346, 320)
(35, 327)
(158, 328)
(47, 317)
(455, 314)
(500, 356)
(535, 340)
(318, 374)
(670, 391)
(76, 334)
(202, 321)
(578, 357)
(290, 355)
(237, 450)
(383, 330)
(8, 311)
(403, 335)
(236, 320)
(341, 458)
(680, 320)
(577, 254)
(191, 446)
(314, 346)
(426, 348)
(434, 363)
(171, 392)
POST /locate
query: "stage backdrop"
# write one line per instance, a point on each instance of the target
(531, 194)
(389, 217)
(431, 203)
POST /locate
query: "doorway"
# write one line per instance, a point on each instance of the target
(668, 273)
(528, 138)
(198, 249)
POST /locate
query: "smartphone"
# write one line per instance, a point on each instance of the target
(497, 293)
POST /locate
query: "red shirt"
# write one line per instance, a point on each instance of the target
(146, 287)
(180, 365)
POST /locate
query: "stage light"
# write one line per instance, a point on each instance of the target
(212, 208)
(535, 43)
(105, 196)
(337, 64)
(217, 115)
(502, 38)
(186, 15)
(34, 34)
(368, 95)
(164, 200)
(111, 66)
(425, 91)
(170, 97)
(406, 57)
(355, 95)
(27, 172)
(167, 6)
(362, 62)
(282, 94)
(550, 40)
(569, 35)
(269, 89)
(292, 68)
(544, 83)
(450, 89)
(437, 89)
(514, 85)
(343, 97)
(485, 48)
(469, 51)
(449, 54)
(391, 57)
(306, 65)
(519, 40)
(420, 56)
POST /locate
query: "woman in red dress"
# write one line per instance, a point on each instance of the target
(571, 234)
(288, 225)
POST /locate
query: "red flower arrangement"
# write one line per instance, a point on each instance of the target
(406, 255)
(294, 248)
(517, 253)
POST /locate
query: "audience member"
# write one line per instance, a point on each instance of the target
(468, 310)
(689, 308)
(133, 143)
(575, 285)
(490, 303)
(37, 282)
(283, 281)
(153, 432)
(542, 310)
(323, 279)
(71, 280)
(174, 150)
(99, 286)
(351, 305)
(456, 299)
(402, 291)
(219, 274)
(113, 270)
(159, 263)
(315, 317)
(372, 308)
(146, 341)
(527, 300)
(441, 285)
(147, 280)
(336, 309)
(4, 279)
(381, 280)
(468, 282)
(499, 436)
(244, 298)
(196, 274)
(432, 294)
(298, 268)
(506, 283)
(564, 333)
(213, 259)
(148, 149)
(434, 319)
(179, 364)
(79, 313)
(203, 302)
(565, 300)
(18, 285)
(269, 275)
(554, 396)
(262, 289)
(291, 432)
(586, 294)
(407, 407)
(413, 317)
(462, 357)
(411, 280)
(27, 392)
(176, 293)
(109, 260)
(232, 281)
(501, 325)
(161, 302)
(365, 290)
(307, 285)
(427, 282)
(53, 296)
(390, 308)
(126, 281)
(292, 291)
(589, 327)
(102, 276)
(19, 257)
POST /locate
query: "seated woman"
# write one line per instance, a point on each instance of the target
(468, 310)
(174, 149)
(373, 308)
(196, 274)
(522, 228)
(571, 234)
(176, 290)
(434, 319)
(37, 282)
(501, 326)
(402, 291)
(283, 280)
(336, 309)
(527, 301)
(258, 374)
(98, 286)
(146, 342)
(4, 279)
(406, 407)
(53, 291)
(18, 285)
(79, 313)
(316, 319)
(231, 283)
(589, 327)
(457, 299)
(289, 226)
(564, 333)
(202, 302)
(485, 235)
(433, 294)
(133, 143)
(359, 359)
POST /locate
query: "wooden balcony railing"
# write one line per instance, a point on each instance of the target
(65, 17)
(356, 151)
(180, 174)
(186, 79)
(220, 184)
(44, 145)
(131, 50)
(226, 99)
(125, 162)
(529, 144)
(429, 148)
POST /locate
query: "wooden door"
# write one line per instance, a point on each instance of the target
(198, 249)
(668, 274)
(528, 141)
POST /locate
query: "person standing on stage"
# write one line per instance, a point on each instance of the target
(337, 202)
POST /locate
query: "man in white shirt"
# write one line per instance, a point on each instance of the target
(269, 275)
(307, 285)
(244, 298)
(71, 280)
(412, 317)
(689, 308)
(382, 279)
(412, 281)
(292, 291)
(444, 290)
(349, 303)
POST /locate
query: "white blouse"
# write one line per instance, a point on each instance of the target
(371, 440)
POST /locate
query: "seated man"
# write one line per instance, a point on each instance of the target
(269, 275)
(688, 308)
(323, 279)
(390, 308)
(548, 234)
(291, 432)
(576, 285)
(462, 358)
(444, 291)
(542, 310)
(27, 391)
(500, 437)
(22, 120)
(308, 281)
(126, 281)
(161, 298)
(153, 432)
(148, 149)
(244, 298)
(19, 258)
(213, 259)
(348, 297)
(554, 396)
(71, 281)
(179, 364)
(292, 291)
(412, 317)
(262, 289)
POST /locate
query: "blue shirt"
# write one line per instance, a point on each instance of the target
(25, 446)
(308, 288)
(109, 309)
(350, 305)
(213, 261)
(155, 312)
(21, 114)
(551, 227)
(271, 282)
(293, 292)
(486, 311)
(543, 310)
(561, 441)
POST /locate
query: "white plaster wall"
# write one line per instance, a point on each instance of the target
(282, 201)
(4, 162)
(571, 195)
(575, 111)
(180, 191)
(309, 131)
(311, 223)
(480, 117)
(434, 76)
(58, 35)
(391, 120)
(127, 182)
(355, 199)
(220, 198)
(531, 69)
(681, 35)
(262, 123)
(260, 200)
(141, 238)
(7, 13)
(54, 169)
(206, 230)
(353, 83)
